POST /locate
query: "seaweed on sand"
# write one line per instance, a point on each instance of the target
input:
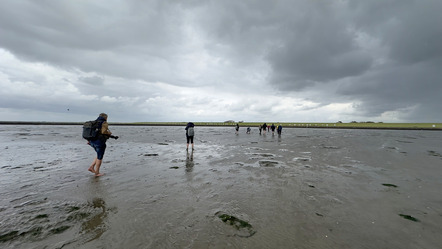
(239, 224)
(389, 185)
(409, 217)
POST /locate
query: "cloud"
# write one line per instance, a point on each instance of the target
(216, 60)
(93, 80)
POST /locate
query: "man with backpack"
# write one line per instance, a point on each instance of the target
(189, 134)
(279, 129)
(98, 142)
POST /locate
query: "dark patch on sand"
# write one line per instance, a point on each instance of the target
(245, 229)
(409, 217)
(434, 153)
(9, 236)
(265, 155)
(41, 216)
(330, 147)
(266, 163)
(150, 154)
(389, 185)
(59, 229)
(405, 142)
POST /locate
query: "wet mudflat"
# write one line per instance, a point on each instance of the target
(309, 188)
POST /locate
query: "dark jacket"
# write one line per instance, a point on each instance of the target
(104, 129)
(190, 124)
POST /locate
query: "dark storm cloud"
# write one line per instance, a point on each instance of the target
(383, 56)
(316, 51)
(411, 77)
(95, 37)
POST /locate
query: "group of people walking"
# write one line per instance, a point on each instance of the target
(99, 143)
(264, 127)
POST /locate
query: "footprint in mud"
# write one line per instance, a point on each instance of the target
(243, 228)
(149, 154)
(60, 218)
(263, 155)
(265, 163)
(302, 159)
(55, 162)
(434, 153)
(405, 142)
(329, 147)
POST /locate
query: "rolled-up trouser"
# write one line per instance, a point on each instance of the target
(99, 146)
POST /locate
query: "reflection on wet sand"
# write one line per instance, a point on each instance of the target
(189, 161)
(95, 226)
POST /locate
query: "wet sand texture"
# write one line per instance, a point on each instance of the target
(309, 188)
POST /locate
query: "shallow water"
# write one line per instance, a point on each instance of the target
(309, 188)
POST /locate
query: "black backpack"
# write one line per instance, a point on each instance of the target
(91, 130)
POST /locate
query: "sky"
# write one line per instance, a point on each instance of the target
(218, 60)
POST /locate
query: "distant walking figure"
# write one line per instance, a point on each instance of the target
(260, 129)
(190, 132)
(237, 129)
(273, 127)
(264, 128)
(279, 129)
(99, 144)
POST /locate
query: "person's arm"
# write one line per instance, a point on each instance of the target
(105, 129)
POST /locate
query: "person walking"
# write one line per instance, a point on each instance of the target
(273, 127)
(264, 128)
(237, 128)
(190, 132)
(99, 144)
(279, 129)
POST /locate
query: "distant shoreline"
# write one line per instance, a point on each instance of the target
(375, 126)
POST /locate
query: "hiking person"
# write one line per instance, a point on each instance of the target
(279, 129)
(99, 143)
(260, 129)
(264, 128)
(273, 127)
(190, 132)
(237, 128)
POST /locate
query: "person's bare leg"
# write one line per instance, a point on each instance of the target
(97, 168)
(91, 168)
(192, 146)
(187, 146)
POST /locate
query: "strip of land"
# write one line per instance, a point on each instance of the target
(352, 125)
